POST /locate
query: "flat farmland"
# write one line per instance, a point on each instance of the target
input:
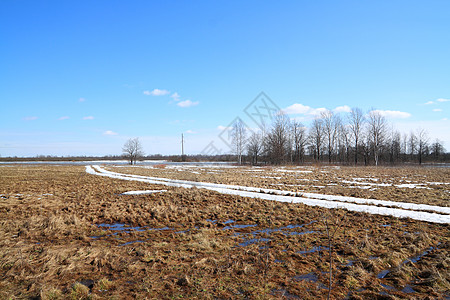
(220, 232)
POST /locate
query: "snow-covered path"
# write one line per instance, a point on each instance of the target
(421, 212)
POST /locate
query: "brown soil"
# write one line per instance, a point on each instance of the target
(51, 246)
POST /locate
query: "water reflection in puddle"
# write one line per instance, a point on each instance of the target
(253, 237)
(313, 249)
(414, 259)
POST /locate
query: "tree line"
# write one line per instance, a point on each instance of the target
(353, 138)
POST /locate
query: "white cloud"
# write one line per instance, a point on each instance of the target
(344, 108)
(187, 103)
(429, 102)
(296, 109)
(81, 99)
(63, 118)
(221, 128)
(31, 118)
(88, 118)
(300, 109)
(175, 96)
(394, 114)
(109, 132)
(156, 92)
(437, 109)
(442, 100)
(190, 131)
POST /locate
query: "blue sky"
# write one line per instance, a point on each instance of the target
(81, 77)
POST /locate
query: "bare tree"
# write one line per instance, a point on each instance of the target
(377, 132)
(394, 146)
(344, 142)
(238, 135)
(299, 139)
(422, 144)
(356, 123)
(133, 150)
(277, 140)
(412, 144)
(331, 124)
(254, 146)
(316, 137)
(437, 149)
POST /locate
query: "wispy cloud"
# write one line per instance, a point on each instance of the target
(393, 114)
(437, 109)
(109, 132)
(187, 103)
(175, 96)
(88, 118)
(30, 118)
(63, 118)
(156, 92)
(82, 99)
(429, 102)
(443, 100)
(190, 131)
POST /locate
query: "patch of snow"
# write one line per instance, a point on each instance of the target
(146, 192)
(412, 186)
(380, 207)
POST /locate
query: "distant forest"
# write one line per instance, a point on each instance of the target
(353, 139)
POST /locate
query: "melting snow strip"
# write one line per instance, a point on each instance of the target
(327, 201)
(146, 192)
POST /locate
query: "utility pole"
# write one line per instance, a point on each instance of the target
(183, 158)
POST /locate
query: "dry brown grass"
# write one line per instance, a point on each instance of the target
(325, 180)
(47, 249)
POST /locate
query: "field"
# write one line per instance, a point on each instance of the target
(69, 234)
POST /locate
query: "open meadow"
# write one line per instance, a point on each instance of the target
(221, 232)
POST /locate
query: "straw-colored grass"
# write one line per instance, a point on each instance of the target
(51, 246)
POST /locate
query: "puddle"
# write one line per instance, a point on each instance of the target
(314, 249)
(212, 221)
(418, 257)
(388, 287)
(298, 233)
(253, 241)
(238, 226)
(386, 225)
(120, 227)
(284, 293)
(408, 289)
(311, 277)
(229, 221)
(373, 257)
(132, 242)
(414, 259)
(127, 228)
(383, 274)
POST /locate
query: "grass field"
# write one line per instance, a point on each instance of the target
(65, 233)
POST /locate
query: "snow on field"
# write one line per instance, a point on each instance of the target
(292, 171)
(372, 206)
(146, 192)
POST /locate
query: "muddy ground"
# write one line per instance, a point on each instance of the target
(65, 234)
